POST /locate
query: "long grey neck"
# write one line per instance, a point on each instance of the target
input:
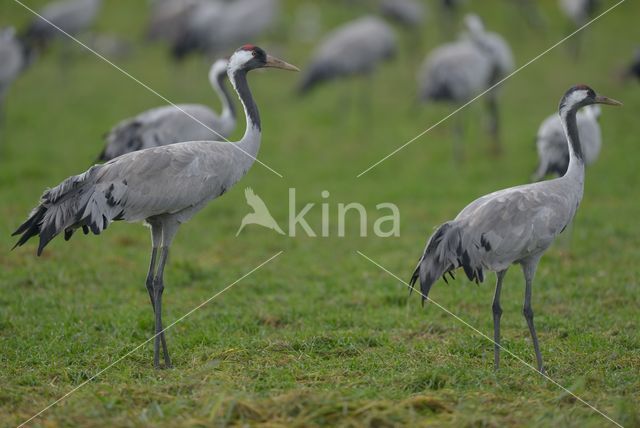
(250, 142)
(228, 108)
(576, 158)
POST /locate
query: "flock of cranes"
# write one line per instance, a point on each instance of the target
(165, 164)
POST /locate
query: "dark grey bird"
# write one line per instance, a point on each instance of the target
(553, 153)
(161, 186)
(172, 124)
(409, 13)
(512, 226)
(71, 16)
(459, 71)
(633, 70)
(214, 26)
(354, 48)
(14, 58)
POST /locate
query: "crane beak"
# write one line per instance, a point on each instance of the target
(273, 62)
(604, 100)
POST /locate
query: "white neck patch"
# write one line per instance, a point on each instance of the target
(239, 59)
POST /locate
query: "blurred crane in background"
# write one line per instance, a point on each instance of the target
(168, 19)
(512, 226)
(14, 58)
(459, 71)
(214, 26)
(354, 48)
(71, 16)
(408, 13)
(172, 124)
(161, 186)
(579, 12)
(551, 142)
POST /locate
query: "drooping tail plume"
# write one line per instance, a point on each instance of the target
(443, 254)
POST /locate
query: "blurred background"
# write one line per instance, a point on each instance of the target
(323, 327)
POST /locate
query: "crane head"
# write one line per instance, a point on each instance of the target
(250, 57)
(582, 95)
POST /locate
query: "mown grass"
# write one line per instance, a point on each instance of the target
(320, 336)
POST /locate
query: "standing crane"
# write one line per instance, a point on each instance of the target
(70, 16)
(215, 26)
(498, 51)
(356, 47)
(161, 186)
(168, 18)
(409, 13)
(512, 226)
(14, 58)
(172, 124)
(457, 72)
(553, 154)
(579, 12)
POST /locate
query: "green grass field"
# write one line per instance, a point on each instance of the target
(320, 336)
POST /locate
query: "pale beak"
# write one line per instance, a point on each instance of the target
(274, 62)
(604, 100)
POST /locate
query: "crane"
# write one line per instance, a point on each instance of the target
(168, 18)
(456, 72)
(409, 13)
(71, 16)
(214, 26)
(14, 58)
(579, 12)
(553, 154)
(512, 226)
(356, 47)
(160, 186)
(172, 124)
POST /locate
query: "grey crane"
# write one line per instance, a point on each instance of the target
(579, 12)
(71, 16)
(14, 58)
(168, 18)
(356, 47)
(512, 226)
(215, 26)
(172, 124)
(553, 154)
(456, 72)
(161, 186)
(409, 13)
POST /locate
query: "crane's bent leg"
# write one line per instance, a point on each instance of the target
(529, 270)
(497, 313)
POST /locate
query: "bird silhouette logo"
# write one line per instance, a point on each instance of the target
(260, 215)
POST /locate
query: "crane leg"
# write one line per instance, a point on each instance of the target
(529, 270)
(494, 123)
(158, 288)
(497, 313)
(156, 240)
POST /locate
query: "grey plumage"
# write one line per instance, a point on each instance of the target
(214, 26)
(356, 47)
(71, 16)
(551, 143)
(512, 226)
(168, 124)
(162, 186)
(410, 13)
